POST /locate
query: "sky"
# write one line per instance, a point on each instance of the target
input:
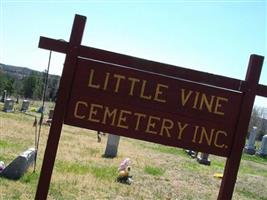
(211, 36)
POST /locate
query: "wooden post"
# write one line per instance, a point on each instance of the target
(233, 161)
(61, 106)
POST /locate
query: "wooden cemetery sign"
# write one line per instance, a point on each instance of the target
(151, 101)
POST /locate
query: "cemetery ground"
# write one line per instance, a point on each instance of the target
(81, 171)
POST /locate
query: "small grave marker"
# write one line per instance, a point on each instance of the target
(25, 105)
(50, 115)
(203, 158)
(9, 105)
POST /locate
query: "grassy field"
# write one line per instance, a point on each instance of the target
(81, 171)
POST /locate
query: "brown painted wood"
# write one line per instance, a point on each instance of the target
(60, 108)
(261, 90)
(143, 64)
(170, 106)
(233, 162)
(152, 66)
(170, 97)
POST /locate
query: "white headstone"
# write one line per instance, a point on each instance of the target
(263, 149)
(250, 147)
(112, 146)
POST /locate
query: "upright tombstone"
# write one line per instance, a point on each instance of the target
(112, 146)
(9, 105)
(250, 147)
(25, 105)
(203, 158)
(50, 115)
(17, 100)
(263, 149)
(3, 99)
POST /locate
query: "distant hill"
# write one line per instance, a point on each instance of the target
(26, 82)
(21, 72)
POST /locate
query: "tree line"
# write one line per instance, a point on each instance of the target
(29, 87)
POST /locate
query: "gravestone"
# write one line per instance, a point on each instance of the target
(192, 153)
(17, 101)
(3, 99)
(50, 115)
(203, 158)
(20, 165)
(112, 146)
(263, 149)
(25, 105)
(250, 147)
(40, 109)
(9, 105)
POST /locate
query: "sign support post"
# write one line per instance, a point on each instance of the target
(233, 161)
(60, 108)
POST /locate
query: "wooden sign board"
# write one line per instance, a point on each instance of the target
(152, 107)
(150, 101)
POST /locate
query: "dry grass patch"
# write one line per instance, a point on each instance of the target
(81, 172)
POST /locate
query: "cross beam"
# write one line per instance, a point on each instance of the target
(152, 66)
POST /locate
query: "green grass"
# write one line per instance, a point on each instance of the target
(248, 169)
(194, 166)
(159, 172)
(56, 191)
(162, 149)
(104, 172)
(155, 171)
(30, 178)
(254, 158)
(5, 144)
(69, 167)
(100, 172)
(249, 193)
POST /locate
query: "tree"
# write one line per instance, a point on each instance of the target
(52, 88)
(38, 90)
(3, 80)
(32, 86)
(7, 83)
(9, 87)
